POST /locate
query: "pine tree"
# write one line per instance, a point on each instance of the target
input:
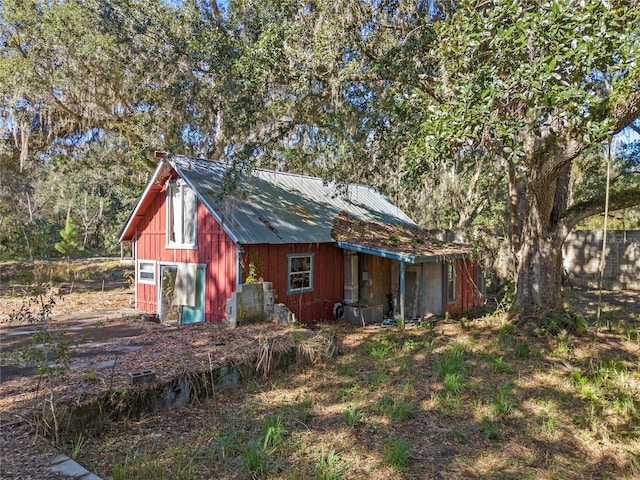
(69, 244)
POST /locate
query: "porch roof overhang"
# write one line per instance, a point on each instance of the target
(400, 256)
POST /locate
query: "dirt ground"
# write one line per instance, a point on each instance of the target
(107, 343)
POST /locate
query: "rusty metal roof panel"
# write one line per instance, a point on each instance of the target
(277, 207)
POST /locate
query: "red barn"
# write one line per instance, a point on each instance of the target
(202, 229)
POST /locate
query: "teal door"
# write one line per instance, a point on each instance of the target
(195, 314)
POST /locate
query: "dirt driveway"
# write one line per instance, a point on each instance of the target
(106, 344)
(86, 339)
(88, 322)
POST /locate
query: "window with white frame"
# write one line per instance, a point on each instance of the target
(181, 215)
(452, 282)
(147, 272)
(299, 273)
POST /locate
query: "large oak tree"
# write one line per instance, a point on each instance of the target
(533, 85)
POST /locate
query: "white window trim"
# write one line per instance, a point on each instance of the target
(291, 291)
(169, 203)
(139, 270)
(452, 299)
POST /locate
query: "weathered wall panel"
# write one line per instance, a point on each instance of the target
(215, 250)
(328, 281)
(468, 298)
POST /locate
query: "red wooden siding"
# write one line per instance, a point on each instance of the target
(468, 299)
(215, 249)
(270, 262)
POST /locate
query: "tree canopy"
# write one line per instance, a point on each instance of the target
(466, 114)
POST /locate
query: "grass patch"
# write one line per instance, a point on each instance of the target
(385, 409)
(396, 454)
(490, 428)
(499, 365)
(353, 416)
(257, 462)
(329, 466)
(504, 401)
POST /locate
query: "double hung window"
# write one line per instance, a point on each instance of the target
(181, 215)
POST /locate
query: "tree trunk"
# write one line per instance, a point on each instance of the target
(539, 278)
(539, 272)
(514, 219)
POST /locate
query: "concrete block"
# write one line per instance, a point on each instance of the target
(146, 376)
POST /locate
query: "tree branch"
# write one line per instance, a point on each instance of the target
(626, 110)
(588, 208)
(623, 109)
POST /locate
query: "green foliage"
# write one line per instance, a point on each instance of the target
(396, 408)
(504, 401)
(256, 461)
(380, 349)
(521, 349)
(351, 392)
(378, 378)
(451, 361)
(401, 409)
(329, 466)
(90, 376)
(301, 410)
(273, 434)
(453, 382)
(78, 446)
(253, 270)
(345, 369)
(227, 445)
(490, 428)
(353, 416)
(143, 471)
(69, 245)
(430, 101)
(499, 365)
(48, 352)
(396, 453)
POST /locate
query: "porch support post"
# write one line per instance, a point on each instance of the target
(402, 291)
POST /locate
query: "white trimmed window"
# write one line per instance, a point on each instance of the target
(452, 282)
(181, 215)
(299, 273)
(147, 272)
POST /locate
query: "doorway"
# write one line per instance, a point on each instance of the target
(171, 313)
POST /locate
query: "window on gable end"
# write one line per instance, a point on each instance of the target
(181, 215)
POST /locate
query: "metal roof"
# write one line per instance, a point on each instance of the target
(276, 207)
